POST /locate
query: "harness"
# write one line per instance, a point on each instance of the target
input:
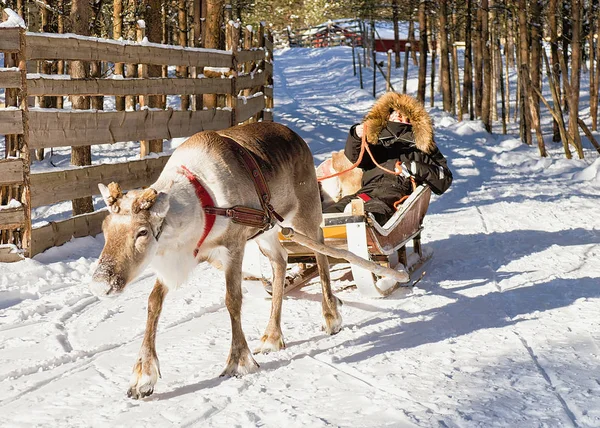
(251, 217)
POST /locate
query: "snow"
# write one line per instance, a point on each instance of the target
(13, 19)
(502, 331)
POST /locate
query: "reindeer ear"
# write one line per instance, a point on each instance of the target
(161, 205)
(104, 192)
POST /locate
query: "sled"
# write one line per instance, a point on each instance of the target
(359, 233)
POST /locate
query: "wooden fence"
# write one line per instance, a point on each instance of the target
(244, 93)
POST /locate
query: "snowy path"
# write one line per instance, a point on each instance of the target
(502, 331)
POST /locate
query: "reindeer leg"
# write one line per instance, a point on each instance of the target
(240, 360)
(270, 246)
(331, 314)
(146, 370)
(309, 225)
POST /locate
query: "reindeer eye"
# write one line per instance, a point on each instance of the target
(143, 232)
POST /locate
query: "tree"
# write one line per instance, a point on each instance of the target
(444, 62)
(81, 155)
(487, 67)
(422, 50)
(467, 98)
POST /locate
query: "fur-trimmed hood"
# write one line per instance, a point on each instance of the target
(408, 106)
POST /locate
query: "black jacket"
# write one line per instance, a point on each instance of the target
(396, 143)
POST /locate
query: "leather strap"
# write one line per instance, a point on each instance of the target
(260, 184)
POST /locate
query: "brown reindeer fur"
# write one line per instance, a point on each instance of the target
(407, 106)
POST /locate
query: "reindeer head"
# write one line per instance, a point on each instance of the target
(131, 233)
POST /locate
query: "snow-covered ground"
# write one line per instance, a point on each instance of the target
(503, 330)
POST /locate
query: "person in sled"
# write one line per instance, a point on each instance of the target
(400, 135)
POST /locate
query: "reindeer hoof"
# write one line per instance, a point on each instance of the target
(243, 366)
(333, 324)
(270, 344)
(143, 392)
(144, 377)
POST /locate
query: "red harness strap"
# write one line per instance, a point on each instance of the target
(205, 201)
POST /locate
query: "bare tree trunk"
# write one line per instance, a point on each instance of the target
(60, 66)
(182, 71)
(456, 106)
(422, 51)
(593, 76)
(575, 76)
(411, 35)
(214, 18)
(131, 69)
(117, 34)
(467, 98)
(198, 40)
(444, 62)
(478, 61)
(552, 11)
(153, 18)
(524, 73)
(396, 32)
(433, 58)
(536, 52)
(80, 17)
(487, 67)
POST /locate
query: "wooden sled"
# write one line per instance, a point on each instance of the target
(359, 233)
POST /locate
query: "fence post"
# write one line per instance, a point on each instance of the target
(262, 45)
(388, 84)
(231, 44)
(353, 55)
(360, 71)
(143, 74)
(269, 78)
(25, 154)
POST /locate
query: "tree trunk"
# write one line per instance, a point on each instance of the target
(198, 40)
(478, 61)
(131, 69)
(214, 18)
(411, 36)
(446, 83)
(555, 64)
(182, 71)
(524, 73)
(80, 17)
(467, 98)
(396, 32)
(487, 68)
(117, 34)
(456, 106)
(433, 58)
(575, 76)
(536, 65)
(422, 51)
(153, 18)
(593, 77)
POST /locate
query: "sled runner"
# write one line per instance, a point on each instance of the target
(359, 233)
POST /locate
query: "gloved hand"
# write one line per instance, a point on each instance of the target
(403, 169)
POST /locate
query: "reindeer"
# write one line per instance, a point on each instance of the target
(161, 227)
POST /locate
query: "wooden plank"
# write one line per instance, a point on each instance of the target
(269, 69)
(253, 55)
(268, 45)
(268, 91)
(246, 108)
(267, 116)
(10, 254)
(9, 40)
(10, 78)
(57, 186)
(11, 121)
(75, 128)
(11, 171)
(12, 218)
(153, 86)
(248, 81)
(71, 47)
(59, 232)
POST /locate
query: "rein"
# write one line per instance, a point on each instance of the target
(261, 219)
(363, 146)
